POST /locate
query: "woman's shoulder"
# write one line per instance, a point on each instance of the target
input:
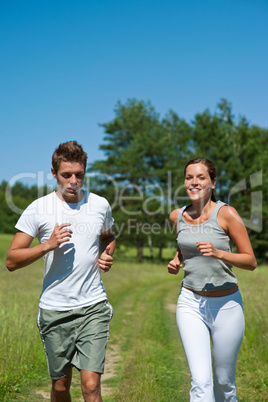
(227, 210)
(173, 216)
(227, 215)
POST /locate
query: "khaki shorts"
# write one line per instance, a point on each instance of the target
(75, 337)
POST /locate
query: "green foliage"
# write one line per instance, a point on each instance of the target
(239, 152)
(141, 151)
(13, 201)
(145, 158)
(142, 173)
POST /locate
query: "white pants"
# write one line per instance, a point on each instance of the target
(207, 323)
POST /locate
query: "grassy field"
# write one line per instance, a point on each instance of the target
(145, 357)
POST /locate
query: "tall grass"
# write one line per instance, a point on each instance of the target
(154, 366)
(151, 362)
(252, 365)
(22, 360)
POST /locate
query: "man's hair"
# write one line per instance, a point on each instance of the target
(69, 152)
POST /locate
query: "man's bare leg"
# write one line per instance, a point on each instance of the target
(91, 386)
(60, 391)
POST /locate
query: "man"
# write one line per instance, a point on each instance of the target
(74, 313)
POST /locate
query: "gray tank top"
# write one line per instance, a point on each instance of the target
(204, 273)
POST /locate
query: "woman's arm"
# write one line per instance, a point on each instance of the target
(176, 263)
(231, 222)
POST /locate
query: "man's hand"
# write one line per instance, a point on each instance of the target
(60, 234)
(106, 260)
(174, 266)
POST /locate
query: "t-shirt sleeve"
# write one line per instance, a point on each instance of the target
(108, 220)
(27, 221)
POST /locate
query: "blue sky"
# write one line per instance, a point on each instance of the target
(65, 64)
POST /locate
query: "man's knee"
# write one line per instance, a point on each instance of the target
(91, 384)
(61, 388)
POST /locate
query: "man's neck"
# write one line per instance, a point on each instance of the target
(70, 199)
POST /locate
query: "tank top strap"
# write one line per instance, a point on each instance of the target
(180, 220)
(214, 213)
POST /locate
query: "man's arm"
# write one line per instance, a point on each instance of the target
(107, 247)
(20, 254)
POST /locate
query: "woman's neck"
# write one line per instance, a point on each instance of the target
(201, 208)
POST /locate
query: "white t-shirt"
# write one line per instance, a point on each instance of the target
(71, 273)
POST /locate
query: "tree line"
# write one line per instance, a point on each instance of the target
(142, 172)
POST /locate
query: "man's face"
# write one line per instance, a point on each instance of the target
(70, 178)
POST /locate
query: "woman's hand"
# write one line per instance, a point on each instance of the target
(207, 249)
(174, 266)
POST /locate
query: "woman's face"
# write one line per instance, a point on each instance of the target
(197, 182)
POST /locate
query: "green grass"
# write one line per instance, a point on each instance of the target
(22, 359)
(151, 365)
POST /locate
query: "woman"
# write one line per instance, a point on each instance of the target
(209, 311)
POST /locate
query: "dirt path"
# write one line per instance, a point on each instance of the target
(171, 307)
(112, 359)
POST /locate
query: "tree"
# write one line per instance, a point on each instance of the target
(142, 174)
(145, 158)
(13, 200)
(239, 153)
(141, 151)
